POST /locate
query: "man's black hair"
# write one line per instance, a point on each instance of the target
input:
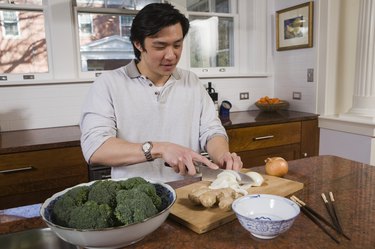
(153, 18)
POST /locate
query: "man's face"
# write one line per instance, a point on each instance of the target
(162, 53)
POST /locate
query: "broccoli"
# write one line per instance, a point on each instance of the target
(64, 205)
(91, 215)
(79, 194)
(133, 206)
(132, 182)
(108, 203)
(104, 192)
(150, 190)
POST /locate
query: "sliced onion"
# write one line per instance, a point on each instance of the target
(257, 178)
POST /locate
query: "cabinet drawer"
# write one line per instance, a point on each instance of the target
(252, 158)
(30, 177)
(251, 138)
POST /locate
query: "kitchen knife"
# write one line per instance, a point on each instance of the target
(209, 174)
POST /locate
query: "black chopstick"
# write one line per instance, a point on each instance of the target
(336, 216)
(313, 212)
(330, 211)
(313, 218)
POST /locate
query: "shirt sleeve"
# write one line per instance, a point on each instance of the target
(97, 121)
(211, 125)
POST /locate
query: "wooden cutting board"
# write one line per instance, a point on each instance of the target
(201, 219)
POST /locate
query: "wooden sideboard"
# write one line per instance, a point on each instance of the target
(256, 135)
(35, 164)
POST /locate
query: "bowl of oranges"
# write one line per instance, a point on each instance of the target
(268, 104)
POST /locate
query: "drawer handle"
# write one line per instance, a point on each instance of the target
(263, 137)
(16, 170)
(106, 176)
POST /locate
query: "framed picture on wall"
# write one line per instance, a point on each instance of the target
(294, 27)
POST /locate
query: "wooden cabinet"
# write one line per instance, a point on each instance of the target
(30, 174)
(290, 140)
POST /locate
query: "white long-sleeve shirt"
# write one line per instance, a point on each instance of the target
(123, 103)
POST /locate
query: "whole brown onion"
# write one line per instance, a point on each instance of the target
(276, 166)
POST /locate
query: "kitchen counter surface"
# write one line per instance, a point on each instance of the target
(256, 118)
(351, 182)
(39, 139)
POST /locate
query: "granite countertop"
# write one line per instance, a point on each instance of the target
(39, 139)
(351, 182)
(257, 117)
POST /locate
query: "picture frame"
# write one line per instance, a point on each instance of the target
(294, 27)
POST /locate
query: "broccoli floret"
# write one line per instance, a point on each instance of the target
(79, 194)
(63, 206)
(62, 209)
(132, 182)
(133, 206)
(91, 216)
(150, 190)
(104, 192)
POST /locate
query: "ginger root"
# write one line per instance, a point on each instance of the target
(209, 197)
(195, 193)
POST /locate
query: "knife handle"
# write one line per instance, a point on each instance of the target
(197, 168)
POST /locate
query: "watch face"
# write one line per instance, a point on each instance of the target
(146, 146)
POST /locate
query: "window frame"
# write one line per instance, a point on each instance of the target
(87, 75)
(29, 78)
(215, 71)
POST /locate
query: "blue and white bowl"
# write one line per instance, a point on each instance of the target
(265, 216)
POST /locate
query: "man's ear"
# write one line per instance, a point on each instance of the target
(138, 46)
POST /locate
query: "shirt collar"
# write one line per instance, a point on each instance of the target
(132, 71)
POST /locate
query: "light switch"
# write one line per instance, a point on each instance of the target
(310, 75)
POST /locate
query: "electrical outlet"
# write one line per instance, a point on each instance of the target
(310, 75)
(297, 95)
(244, 95)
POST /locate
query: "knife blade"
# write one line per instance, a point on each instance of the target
(209, 174)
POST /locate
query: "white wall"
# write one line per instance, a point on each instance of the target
(30, 107)
(291, 66)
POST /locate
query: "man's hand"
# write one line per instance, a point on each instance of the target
(231, 161)
(182, 159)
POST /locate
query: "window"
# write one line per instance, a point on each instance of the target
(44, 41)
(108, 24)
(23, 39)
(212, 35)
(85, 23)
(10, 23)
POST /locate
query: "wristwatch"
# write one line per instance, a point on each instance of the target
(146, 148)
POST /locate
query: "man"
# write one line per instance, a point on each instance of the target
(149, 114)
